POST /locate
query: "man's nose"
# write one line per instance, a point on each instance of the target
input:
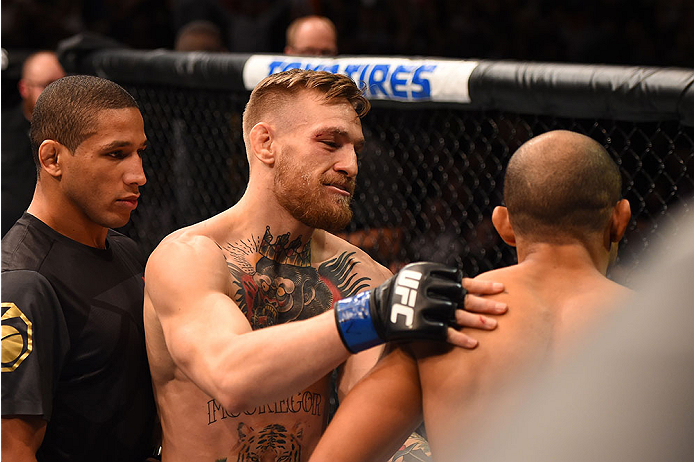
(135, 173)
(348, 164)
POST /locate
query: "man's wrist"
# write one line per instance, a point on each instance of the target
(354, 323)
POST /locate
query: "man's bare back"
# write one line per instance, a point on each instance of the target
(273, 280)
(548, 310)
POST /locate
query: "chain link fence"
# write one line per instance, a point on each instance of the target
(429, 177)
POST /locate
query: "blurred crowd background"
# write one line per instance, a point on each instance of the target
(626, 32)
(643, 32)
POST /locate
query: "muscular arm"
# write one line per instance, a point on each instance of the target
(21, 437)
(377, 415)
(211, 341)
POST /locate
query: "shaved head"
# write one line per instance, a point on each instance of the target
(561, 184)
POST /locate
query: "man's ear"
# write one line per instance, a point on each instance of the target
(502, 224)
(22, 87)
(261, 140)
(51, 154)
(621, 214)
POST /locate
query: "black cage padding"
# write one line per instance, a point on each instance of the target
(431, 173)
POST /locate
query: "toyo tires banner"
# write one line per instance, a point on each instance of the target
(399, 79)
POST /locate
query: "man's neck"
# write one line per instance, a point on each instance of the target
(263, 214)
(570, 257)
(67, 220)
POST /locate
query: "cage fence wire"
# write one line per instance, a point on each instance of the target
(429, 176)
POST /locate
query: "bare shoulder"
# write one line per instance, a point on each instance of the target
(614, 294)
(507, 272)
(619, 289)
(201, 237)
(182, 245)
(505, 275)
(332, 249)
(187, 261)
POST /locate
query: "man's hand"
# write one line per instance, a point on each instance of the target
(475, 306)
(418, 303)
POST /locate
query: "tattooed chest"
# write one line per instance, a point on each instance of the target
(274, 282)
(276, 294)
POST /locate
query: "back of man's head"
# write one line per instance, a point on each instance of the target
(561, 184)
(68, 109)
(274, 93)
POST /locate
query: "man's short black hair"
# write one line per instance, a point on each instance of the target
(66, 111)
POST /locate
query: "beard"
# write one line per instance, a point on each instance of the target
(302, 195)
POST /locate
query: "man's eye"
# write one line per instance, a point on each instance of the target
(331, 144)
(116, 154)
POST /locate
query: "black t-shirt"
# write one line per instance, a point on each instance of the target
(73, 345)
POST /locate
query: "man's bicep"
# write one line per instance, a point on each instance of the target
(21, 437)
(187, 287)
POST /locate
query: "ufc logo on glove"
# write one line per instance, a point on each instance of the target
(418, 303)
(406, 286)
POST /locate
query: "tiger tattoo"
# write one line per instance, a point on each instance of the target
(271, 444)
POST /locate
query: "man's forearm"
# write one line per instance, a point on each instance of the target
(377, 416)
(270, 364)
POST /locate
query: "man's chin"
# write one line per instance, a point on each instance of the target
(335, 227)
(331, 222)
(117, 222)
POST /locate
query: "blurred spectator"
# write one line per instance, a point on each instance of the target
(39, 70)
(18, 168)
(200, 35)
(311, 36)
(645, 32)
(246, 27)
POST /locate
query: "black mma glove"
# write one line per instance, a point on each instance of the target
(418, 303)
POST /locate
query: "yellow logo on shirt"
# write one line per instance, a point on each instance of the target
(16, 337)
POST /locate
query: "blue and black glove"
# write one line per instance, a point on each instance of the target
(417, 303)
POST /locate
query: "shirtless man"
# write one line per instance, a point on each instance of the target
(233, 378)
(564, 216)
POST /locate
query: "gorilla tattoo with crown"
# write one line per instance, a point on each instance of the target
(282, 286)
